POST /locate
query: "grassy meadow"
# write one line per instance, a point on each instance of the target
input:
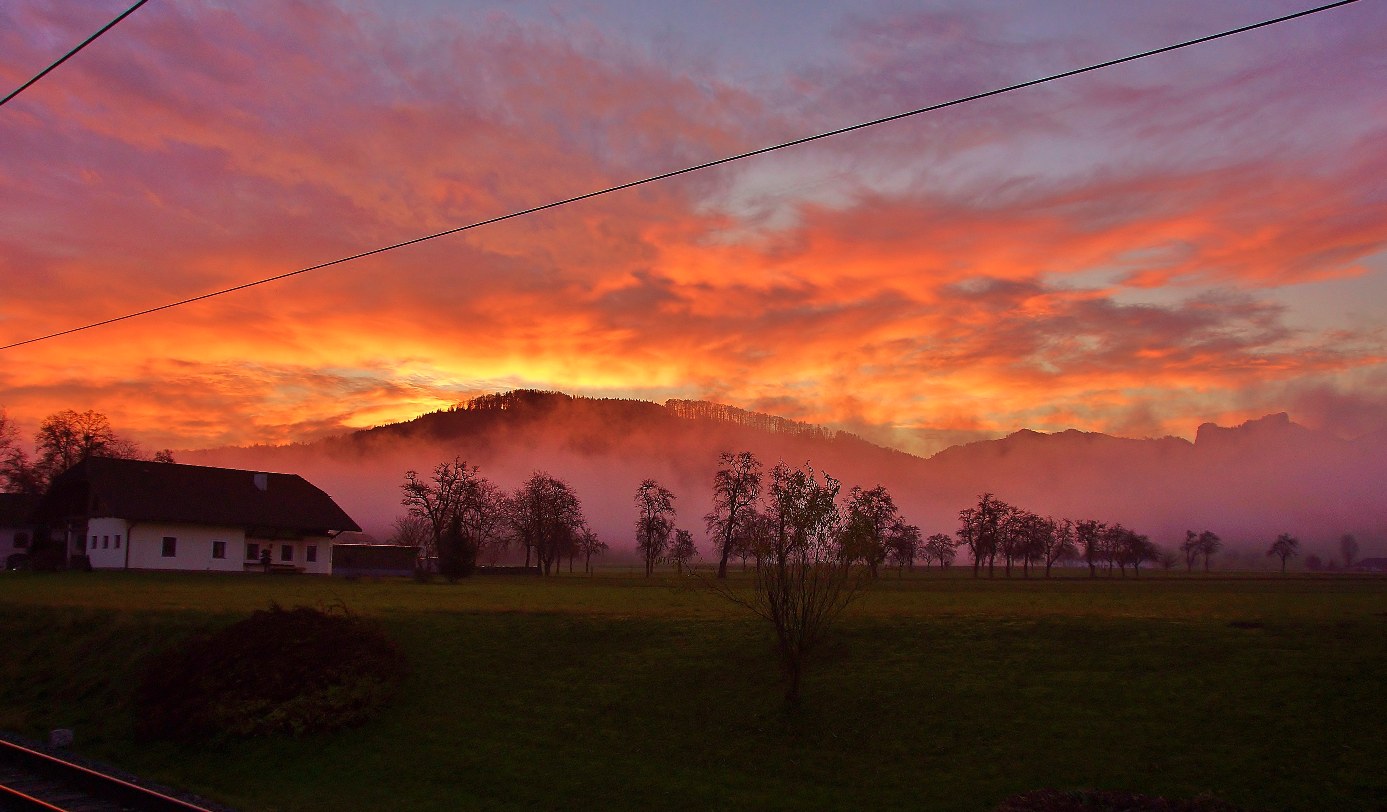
(616, 692)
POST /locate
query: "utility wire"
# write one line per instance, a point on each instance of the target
(677, 172)
(69, 54)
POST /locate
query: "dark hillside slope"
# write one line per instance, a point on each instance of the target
(604, 447)
(1247, 483)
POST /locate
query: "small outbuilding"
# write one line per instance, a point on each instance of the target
(137, 514)
(374, 560)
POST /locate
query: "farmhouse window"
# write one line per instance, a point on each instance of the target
(286, 552)
(116, 537)
(252, 551)
(170, 547)
(219, 549)
(310, 553)
(105, 542)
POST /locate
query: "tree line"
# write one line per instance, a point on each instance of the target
(456, 514)
(459, 510)
(63, 440)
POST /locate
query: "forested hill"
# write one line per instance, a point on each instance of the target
(599, 425)
(603, 447)
(1247, 483)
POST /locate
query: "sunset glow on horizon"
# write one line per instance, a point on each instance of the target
(1198, 236)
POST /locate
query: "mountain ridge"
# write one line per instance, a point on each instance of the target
(1248, 482)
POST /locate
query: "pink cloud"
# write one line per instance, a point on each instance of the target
(942, 285)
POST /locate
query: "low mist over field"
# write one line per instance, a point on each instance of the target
(1247, 483)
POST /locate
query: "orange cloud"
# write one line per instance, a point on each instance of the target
(1058, 260)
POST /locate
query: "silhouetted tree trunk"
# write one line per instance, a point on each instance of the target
(804, 582)
(736, 487)
(655, 523)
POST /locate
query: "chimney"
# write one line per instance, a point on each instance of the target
(262, 482)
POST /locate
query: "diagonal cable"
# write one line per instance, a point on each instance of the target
(65, 57)
(675, 173)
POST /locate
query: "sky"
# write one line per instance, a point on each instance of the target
(1198, 236)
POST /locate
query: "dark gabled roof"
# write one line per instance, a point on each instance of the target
(15, 509)
(137, 490)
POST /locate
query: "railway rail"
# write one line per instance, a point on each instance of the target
(32, 779)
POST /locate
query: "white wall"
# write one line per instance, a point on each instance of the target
(192, 548)
(141, 546)
(106, 542)
(299, 553)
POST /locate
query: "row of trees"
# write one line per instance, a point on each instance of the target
(993, 529)
(873, 533)
(456, 514)
(1287, 546)
(868, 529)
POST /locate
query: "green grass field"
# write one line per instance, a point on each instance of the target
(615, 692)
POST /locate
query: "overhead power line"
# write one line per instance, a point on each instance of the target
(686, 170)
(69, 54)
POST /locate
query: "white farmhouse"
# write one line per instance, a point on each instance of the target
(135, 514)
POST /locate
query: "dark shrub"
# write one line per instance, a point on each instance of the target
(47, 559)
(457, 555)
(293, 671)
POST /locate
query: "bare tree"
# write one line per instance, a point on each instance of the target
(942, 548)
(1286, 546)
(9, 434)
(753, 539)
(1034, 537)
(590, 545)
(547, 517)
(461, 509)
(66, 438)
(1113, 541)
(1348, 547)
(980, 530)
(17, 474)
(655, 522)
(804, 583)
(683, 550)
(1011, 535)
(1205, 543)
(736, 487)
(410, 530)
(482, 518)
(1209, 543)
(1190, 548)
(433, 501)
(870, 516)
(903, 544)
(1088, 534)
(1061, 544)
(1135, 549)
